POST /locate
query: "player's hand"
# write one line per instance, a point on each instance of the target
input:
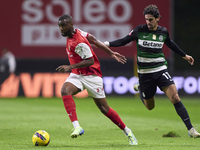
(189, 59)
(120, 58)
(64, 68)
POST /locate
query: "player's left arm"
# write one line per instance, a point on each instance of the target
(174, 47)
(120, 58)
(189, 58)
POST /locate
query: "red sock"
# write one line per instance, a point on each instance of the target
(70, 107)
(114, 117)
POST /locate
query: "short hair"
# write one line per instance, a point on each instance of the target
(152, 10)
(66, 16)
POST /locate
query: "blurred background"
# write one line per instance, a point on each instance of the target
(30, 33)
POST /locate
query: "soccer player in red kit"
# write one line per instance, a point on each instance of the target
(86, 74)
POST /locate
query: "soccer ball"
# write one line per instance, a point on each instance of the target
(136, 87)
(41, 138)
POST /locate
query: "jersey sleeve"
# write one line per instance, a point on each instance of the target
(127, 39)
(83, 50)
(173, 46)
(83, 33)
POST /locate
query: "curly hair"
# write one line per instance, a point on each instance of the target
(152, 10)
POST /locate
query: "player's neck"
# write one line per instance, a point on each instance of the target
(154, 29)
(70, 36)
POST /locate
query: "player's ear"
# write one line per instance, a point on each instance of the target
(158, 19)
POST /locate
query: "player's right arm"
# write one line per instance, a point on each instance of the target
(123, 41)
(119, 42)
(120, 58)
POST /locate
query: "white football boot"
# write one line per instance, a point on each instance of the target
(193, 133)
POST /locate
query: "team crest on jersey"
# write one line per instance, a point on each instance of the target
(154, 37)
(160, 38)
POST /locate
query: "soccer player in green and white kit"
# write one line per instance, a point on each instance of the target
(152, 66)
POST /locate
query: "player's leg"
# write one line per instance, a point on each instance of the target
(137, 89)
(149, 103)
(166, 84)
(147, 89)
(172, 94)
(109, 112)
(94, 86)
(115, 118)
(69, 89)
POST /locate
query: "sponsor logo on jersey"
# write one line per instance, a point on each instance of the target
(150, 44)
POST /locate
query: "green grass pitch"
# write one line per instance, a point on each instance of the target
(21, 117)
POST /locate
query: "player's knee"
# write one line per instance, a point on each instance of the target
(103, 110)
(175, 98)
(149, 103)
(150, 107)
(64, 92)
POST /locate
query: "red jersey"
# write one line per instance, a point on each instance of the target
(78, 48)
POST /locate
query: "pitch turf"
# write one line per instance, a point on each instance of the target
(21, 117)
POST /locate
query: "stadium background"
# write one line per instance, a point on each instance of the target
(29, 29)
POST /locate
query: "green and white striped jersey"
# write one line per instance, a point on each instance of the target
(150, 57)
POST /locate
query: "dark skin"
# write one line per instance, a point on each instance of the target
(67, 30)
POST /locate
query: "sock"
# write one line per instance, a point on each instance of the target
(141, 97)
(182, 112)
(114, 117)
(75, 124)
(126, 130)
(70, 107)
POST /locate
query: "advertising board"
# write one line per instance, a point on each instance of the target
(29, 27)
